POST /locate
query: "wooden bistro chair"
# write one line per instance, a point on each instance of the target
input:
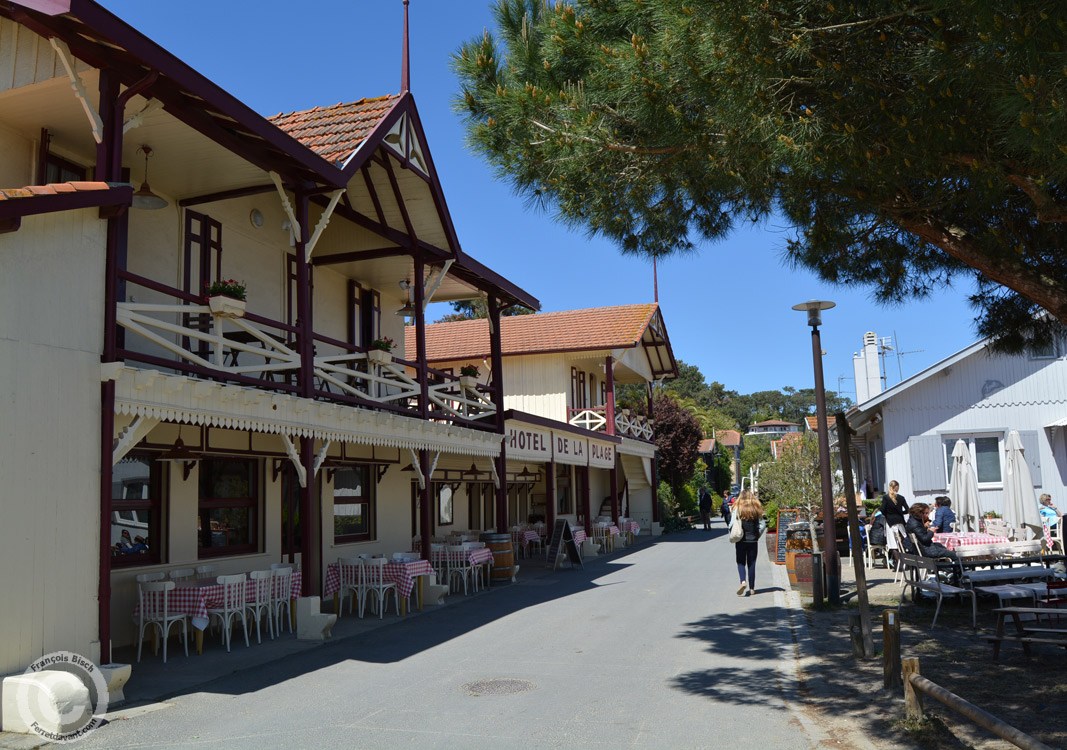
(154, 615)
(375, 583)
(459, 566)
(204, 572)
(281, 597)
(180, 575)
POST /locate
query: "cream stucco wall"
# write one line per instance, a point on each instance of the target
(51, 333)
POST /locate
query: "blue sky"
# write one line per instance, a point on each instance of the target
(727, 308)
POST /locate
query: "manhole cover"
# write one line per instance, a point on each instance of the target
(498, 687)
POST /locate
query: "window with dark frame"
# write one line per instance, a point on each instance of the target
(563, 489)
(353, 504)
(443, 493)
(228, 508)
(136, 511)
(582, 396)
(52, 168)
(574, 388)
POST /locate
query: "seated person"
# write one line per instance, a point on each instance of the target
(917, 525)
(944, 518)
(1049, 514)
(878, 530)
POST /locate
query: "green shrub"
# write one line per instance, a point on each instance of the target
(872, 506)
(770, 512)
(688, 505)
(671, 524)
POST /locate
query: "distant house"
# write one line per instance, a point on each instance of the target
(908, 432)
(778, 445)
(774, 428)
(732, 441)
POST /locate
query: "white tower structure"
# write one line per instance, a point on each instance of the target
(866, 367)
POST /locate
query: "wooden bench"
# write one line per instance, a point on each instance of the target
(922, 573)
(1024, 634)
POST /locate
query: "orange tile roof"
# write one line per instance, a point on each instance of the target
(570, 330)
(31, 191)
(335, 132)
(730, 438)
(774, 423)
(813, 423)
(706, 446)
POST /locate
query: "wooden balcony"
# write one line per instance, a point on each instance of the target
(595, 419)
(185, 337)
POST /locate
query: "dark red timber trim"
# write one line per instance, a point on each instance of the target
(550, 493)
(420, 336)
(427, 499)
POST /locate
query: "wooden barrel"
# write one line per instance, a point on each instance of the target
(503, 557)
(790, 565)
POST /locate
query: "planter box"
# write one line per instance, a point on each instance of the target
(379, 356)
(468, 381)
(226, 307)
(772, 545)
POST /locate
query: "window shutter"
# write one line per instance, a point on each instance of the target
(1032, 451)
(927, 463)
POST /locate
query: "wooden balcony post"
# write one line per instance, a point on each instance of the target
(496, 366)
(584, 473)
(310, 540)
(426, 505)
(304, 323)
(609, 406)
(613, 484)
(550, 495)
(420, 337)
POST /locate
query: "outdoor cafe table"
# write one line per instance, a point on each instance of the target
(524, 536)
(630, 528)
(194, 598)
(475, 556)
(607, 533)
(404, 573)
(1006, 575)
(953, 539)
(579, 535)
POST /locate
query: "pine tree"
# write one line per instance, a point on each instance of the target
(910, 144)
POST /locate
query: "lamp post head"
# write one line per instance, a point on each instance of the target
(814, 308)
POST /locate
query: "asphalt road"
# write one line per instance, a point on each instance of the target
(649, 648)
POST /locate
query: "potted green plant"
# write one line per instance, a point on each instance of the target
(380, 350)
(225, 299)
(468, 376)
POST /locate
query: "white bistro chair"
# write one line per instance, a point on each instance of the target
(233, 606)
(183, 574)
(459, 566)
(374, 583)
(349, 569)
(263, 601)
(207, 571)
(281, 593)
(154, 615)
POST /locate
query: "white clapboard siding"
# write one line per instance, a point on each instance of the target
(50, 339)
(26, 58)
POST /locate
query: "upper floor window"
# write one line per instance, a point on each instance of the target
(1049, 351)
(52, 168)
(136, 511)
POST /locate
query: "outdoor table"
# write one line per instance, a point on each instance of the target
(404, 573)
(194, 598)
(1025, 634)
(523, 537)
(953, 539)
(579, 536)
(476, 556)
(631, 529)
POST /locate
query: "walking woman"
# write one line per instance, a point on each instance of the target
(750, 511)
(894, 508)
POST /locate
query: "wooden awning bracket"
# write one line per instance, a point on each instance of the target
(294, 457)
(63, 52)
(323, 221)
(418, 468)
(286, 205)
(321, 456)
(137, 119)
(131, 435)
(437, 283)
(496, 477)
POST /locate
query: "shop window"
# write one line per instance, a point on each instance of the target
(228, 509)
(136, 511)
(353, 505)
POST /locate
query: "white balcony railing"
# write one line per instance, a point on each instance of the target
(595, 419)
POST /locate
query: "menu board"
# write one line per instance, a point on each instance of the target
(785, 517)
(561, 535)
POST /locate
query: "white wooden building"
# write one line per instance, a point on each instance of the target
(908, 432)
(569, 450)
(111, 357)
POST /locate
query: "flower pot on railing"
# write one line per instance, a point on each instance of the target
(222, 306)
(468, 381)
(379, 356)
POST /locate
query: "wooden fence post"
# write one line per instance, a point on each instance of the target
(855, 632)
(891, 648)
(913, 702)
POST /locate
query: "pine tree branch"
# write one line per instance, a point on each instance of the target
(622, 147)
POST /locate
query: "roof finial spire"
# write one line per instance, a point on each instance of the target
(405, 74)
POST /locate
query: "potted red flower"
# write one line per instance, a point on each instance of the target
(468, 376)
(225, 299)
(380, 351)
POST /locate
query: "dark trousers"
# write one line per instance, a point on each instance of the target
(705, 517)
(746, 558)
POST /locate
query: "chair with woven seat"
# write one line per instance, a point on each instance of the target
(155, 615)
(262, 603)
(233, 607)
(374, 583)
(349, 571)
(281, 597)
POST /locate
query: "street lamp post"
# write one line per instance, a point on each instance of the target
(814, 310)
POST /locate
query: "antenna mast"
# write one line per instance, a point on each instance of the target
(405, 67)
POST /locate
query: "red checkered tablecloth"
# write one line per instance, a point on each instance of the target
(579, 536)
(605, 530)
(524, 537)
(194, 598)
(631, 527)
(955, 539)
(402, 573)
(480, 556)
